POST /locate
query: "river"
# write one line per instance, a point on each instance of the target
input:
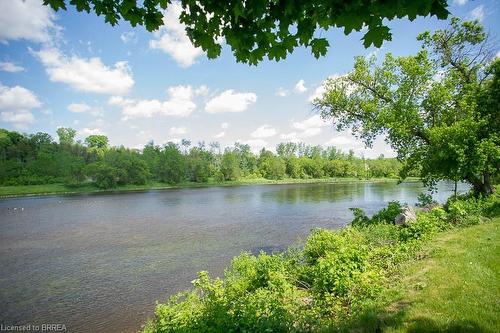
(98, 263)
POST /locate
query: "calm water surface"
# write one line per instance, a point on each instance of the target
(98, 263)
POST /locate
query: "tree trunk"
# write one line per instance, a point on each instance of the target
(481, 186)
(489, 189)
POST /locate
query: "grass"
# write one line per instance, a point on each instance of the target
(454, 288)
(47, 189)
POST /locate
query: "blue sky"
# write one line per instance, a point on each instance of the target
(71, 69)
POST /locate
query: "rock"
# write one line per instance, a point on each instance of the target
(429, 207)
(407, 215)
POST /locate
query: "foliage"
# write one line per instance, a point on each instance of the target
(360, 217)
(272, 167)
(198, 165)
(424, 200)
(335, 278)
(105, 176)
(388, 214)
(97, 141)
(170, 164)
(230, 167)
(66, 135)
(37, 159)
(265, 28)
(438, 108)
(385, 215)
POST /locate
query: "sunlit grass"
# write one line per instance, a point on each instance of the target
(455, 288)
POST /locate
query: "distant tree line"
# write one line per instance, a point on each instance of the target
(38, 159)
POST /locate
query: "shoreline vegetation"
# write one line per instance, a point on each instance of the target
(16, 191)
(37, 164)
(437, 271)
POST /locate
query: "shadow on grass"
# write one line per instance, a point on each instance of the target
(394, 318)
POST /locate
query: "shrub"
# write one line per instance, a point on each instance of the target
(385, 215)
(464, 210)
(321, 242)
(425, 200)
(426, 225)
(388, 214)
(360, 218)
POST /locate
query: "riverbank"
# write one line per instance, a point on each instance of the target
(453, 287)
(51, 189)
(437, 273)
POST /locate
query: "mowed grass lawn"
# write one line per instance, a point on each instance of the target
(454, 288)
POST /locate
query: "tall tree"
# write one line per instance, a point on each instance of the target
(66, 135)
(265, 28)
(171, 164)
(97, 141)
(438, 108)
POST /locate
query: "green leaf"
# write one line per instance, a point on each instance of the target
(126, 5)
(55, 4)
(319, 47)
(376, 36)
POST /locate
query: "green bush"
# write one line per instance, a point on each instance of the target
(425, 226)
(360, 218)
(385, 215)
(388, 214)
(425, 199)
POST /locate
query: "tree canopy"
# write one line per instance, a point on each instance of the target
(37, 159)
(439, 109)
(264, 28)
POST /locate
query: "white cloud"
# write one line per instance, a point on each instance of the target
(264, 131)
(340, 141)
(128, 37)
(309, 132)
(18, 117)
(177, 141)
(341, 79)
(318, 93)
(178, 130)
(202, 90)
(78, 107)
(230, 101)
(224, 125)
(372, 53)
(220, 135)
(282, 92)
(311, 122)
(25, 19)
(91, 131)
(11, 67)
(178, 104)
(497, 55)
(172, 38)
(300, 87)
(307, 128)
(477, 13)
(255, 144)
(89, 75)
(84, 108)
(16, 104)
(120, 101)
(291, 137)
(459, 2)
